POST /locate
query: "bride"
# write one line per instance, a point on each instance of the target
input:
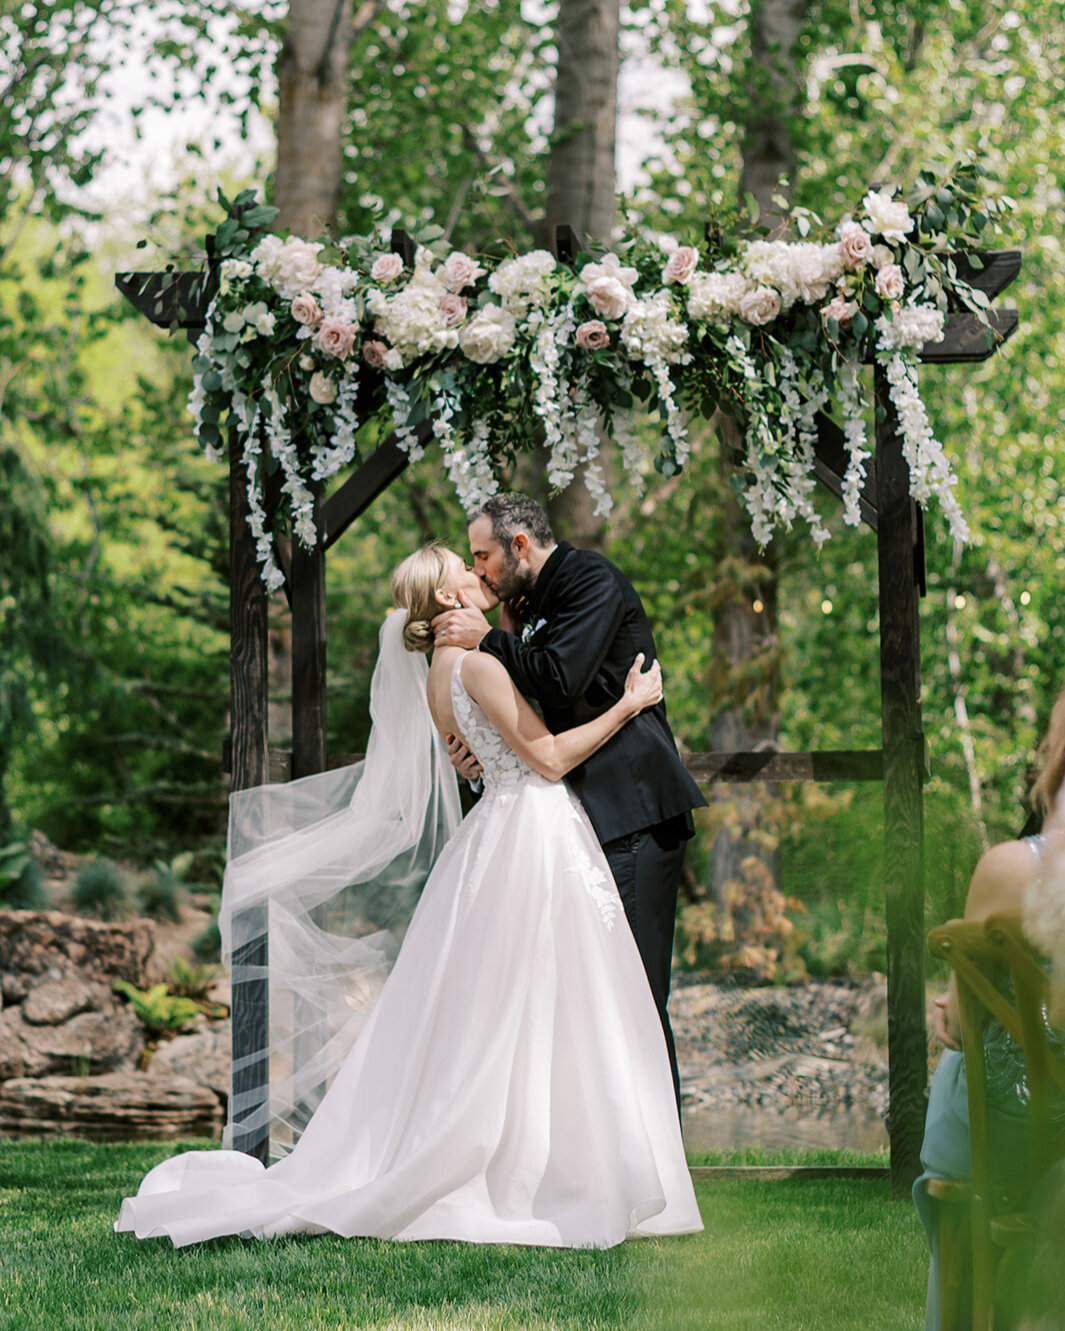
(510, 1083)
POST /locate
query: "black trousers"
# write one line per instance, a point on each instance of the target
(646, 866)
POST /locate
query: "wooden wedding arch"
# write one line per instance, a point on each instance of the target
(180, 301)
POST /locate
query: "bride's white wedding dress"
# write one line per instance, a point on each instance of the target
(511, 1084)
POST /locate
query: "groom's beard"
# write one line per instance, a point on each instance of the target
(514, 582)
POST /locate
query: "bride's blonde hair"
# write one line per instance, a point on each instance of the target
(414, 587)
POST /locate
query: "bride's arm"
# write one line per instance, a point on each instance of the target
(488, 683)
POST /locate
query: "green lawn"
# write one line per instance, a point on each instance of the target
(822, 1255)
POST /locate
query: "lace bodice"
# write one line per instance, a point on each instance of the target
(501, 765)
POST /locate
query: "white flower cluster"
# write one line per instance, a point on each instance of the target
(910, 326)
(413, 320)
(855, 442)
(469, 469)
(930, 473)
(289, 266)
(523, 282)
(551, 395)
(799, 421)
(715, 297)
(399, 404)
(801, 271)
(651, 335)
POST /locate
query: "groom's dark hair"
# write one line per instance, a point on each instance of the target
(511, 513)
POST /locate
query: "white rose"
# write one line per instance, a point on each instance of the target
(609, 296)
(889, 218)
(488, 335)
(760, 306)
(889, 282)
(323, 390)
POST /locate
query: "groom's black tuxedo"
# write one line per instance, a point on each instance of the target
(583, 627)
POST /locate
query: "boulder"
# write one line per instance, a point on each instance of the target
(203, 1058)
(91, 1042)
(114, 1106)
(60, 996)
(37, 942)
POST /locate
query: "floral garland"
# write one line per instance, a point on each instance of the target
(770, 330)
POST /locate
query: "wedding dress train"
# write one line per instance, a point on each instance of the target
(511, 1084)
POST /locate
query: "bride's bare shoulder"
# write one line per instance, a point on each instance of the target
(1001, 879)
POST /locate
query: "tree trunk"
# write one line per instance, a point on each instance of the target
(312, 78)
(746, 623)
(581, 182)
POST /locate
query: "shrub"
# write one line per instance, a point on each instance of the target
(191, 981)
(159, 895)
(21, 885)
(100, 890)
(207, 946)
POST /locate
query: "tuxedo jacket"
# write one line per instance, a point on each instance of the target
(583, 627)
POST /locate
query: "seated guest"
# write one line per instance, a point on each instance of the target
(1026, 875)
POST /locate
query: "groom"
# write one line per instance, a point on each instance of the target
(579, 626)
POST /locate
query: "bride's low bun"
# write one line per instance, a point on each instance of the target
(414, 586)
(417, 635)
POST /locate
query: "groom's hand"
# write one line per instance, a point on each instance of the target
(460, 628)
(463, 759)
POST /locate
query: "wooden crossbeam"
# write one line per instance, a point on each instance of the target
(171, 300)
(363, 486)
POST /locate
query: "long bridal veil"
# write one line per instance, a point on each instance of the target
(329, 868)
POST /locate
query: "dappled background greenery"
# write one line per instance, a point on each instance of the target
(113, 673)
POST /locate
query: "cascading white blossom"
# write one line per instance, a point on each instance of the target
(799, 420)
(341, 449)
(399, 404)
(650, 333)
(855, 442)
(551, 395)
(631, 447)
(469, 469)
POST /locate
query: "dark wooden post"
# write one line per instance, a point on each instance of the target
(899, 549)
(250, 766)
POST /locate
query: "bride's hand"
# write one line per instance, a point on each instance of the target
(643, 688)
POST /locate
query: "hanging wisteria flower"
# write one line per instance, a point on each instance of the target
(890, 218)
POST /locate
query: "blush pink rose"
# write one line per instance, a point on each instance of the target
(459, 271)
(838, 309)
(336, 337)
(592, 336)
(855, 245)
(453, 308)
(306, 310)
(387, 268)
(889, 282)
(374, 353)
(682, 263)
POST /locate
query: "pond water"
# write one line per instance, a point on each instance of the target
(727, 1129)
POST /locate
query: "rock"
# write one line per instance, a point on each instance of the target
(116, 1105)
(203, 1058)
(37, 942)
(12, 987)
(91, 1042)
(56, 1000)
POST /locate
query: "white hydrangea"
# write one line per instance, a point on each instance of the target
(648, 331)
(716, 296)
(412, 320)
(522, 282)
(289, 266)
(333, 288)
(802, 271)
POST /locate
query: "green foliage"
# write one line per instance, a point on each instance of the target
(159, 895)
(21, 881)
(100, 890)
(191, 981)
(159, 1011)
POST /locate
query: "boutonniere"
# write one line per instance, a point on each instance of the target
(530, 630)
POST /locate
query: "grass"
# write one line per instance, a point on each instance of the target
(808, 1255)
